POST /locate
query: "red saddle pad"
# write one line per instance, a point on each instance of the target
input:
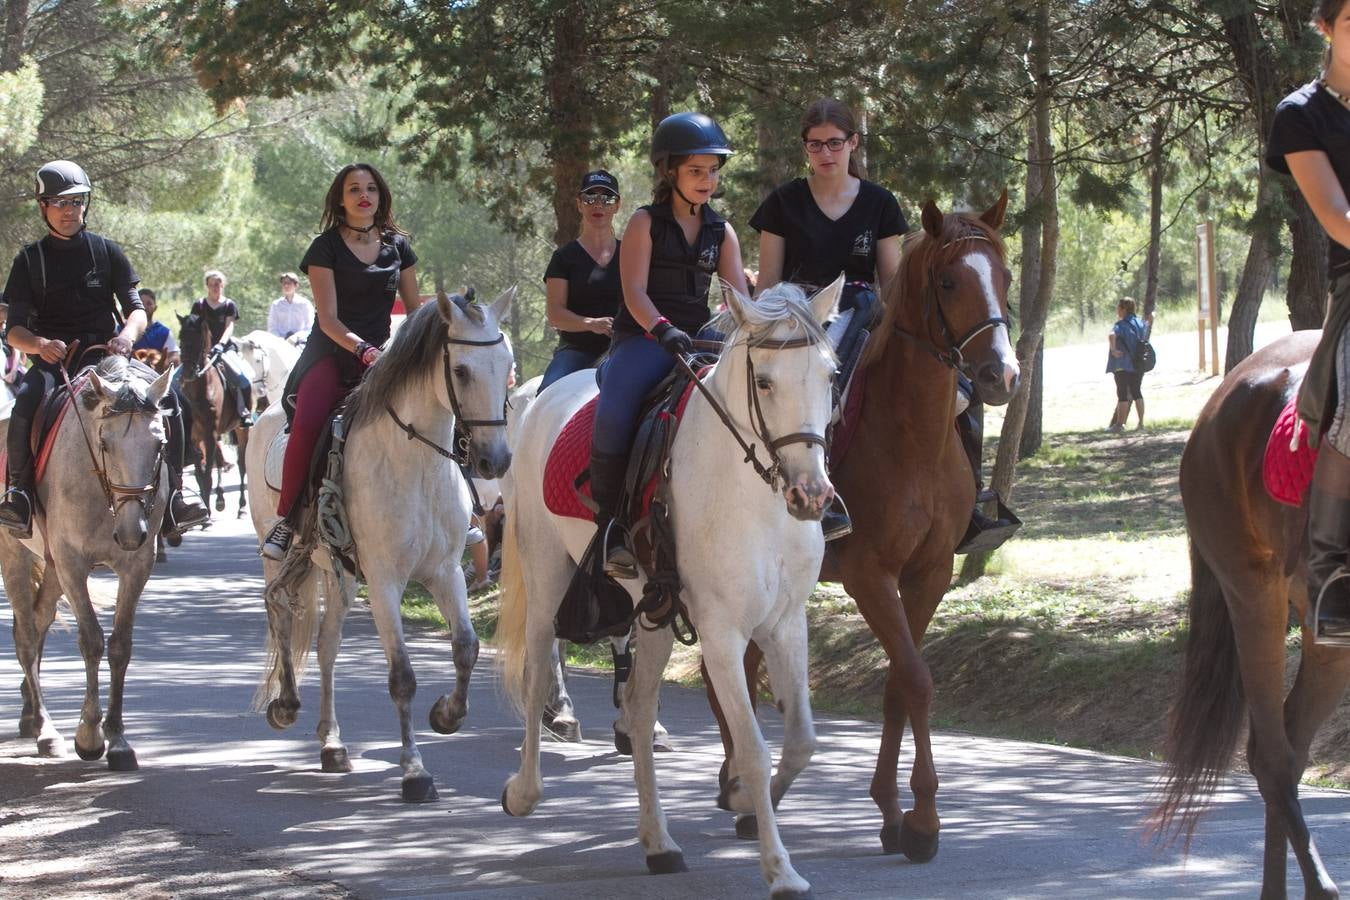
(52, 426)
(1287, 473)
(572, 452)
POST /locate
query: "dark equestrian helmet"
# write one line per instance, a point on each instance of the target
(687, 134)
(60, 178)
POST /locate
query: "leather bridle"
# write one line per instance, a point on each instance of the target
(952, 354)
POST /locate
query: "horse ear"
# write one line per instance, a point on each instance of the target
(735, 302)
(182, 319)
(102, 390)
(501, 307)
(825, 303)
(993, 216)
(445, 307)
(932, 218)
(159, 388)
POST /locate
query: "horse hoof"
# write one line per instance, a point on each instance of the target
(623, 743)
(419, 789)
(564, 731)
(53, 747)
(161, 556)
(747, 828)
(442, 721)
(662, 744)
(92, 753)
(791, 894)
(916, 845)
(174, 540)
(26, 727)
(122, 760)
(334, 759)
(890, 838)
(724, 795)
(669, 863)
(220, 505)
(280, 715)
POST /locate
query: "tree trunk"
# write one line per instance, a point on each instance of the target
(775, 149)
(1033, 429)
(16, 28)
(1256, 272)
(569, 147)
(1157, 161)
(1306, 295)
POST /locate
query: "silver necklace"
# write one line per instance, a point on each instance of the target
(1344, 100)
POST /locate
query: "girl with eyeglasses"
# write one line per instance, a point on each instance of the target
(582, 281)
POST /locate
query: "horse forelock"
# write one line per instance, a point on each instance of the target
(780, 312)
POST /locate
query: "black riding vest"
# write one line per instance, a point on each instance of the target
(679, 275)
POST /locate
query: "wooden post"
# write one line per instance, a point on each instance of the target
(1207, 294)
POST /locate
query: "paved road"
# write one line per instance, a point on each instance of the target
(224, 806)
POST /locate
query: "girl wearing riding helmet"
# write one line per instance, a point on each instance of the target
(582, 281)
(671, 250)
(220, 313)
(355, 266)
(831, 221)
(1310, 139)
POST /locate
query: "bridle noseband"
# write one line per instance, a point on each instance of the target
(771, 474)
(951, 355)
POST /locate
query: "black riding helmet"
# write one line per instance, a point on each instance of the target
(686, 134)
(61, 178)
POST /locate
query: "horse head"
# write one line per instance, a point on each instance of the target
(194, 340)
(788, 370)
(477, 364)
(125, 428)
(955, 281)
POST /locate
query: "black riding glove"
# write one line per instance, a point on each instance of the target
(672, 340)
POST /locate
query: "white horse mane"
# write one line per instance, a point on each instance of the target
(758, 316)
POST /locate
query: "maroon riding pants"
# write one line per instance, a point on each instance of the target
(321, 390)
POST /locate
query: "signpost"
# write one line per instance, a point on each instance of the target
(1207, 293)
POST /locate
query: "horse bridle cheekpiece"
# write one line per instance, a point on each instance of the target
(952, 355)
(771, 474)
(116, 494)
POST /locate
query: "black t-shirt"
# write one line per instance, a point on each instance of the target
(75, 303)
(817, 248)
(1312, 119)
(593, 290)
(216, 315)
(365, 293)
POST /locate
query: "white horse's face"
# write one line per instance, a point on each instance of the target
(127, 430)
(479, 376)
(793, 389)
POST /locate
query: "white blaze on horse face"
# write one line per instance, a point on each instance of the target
(983, 267)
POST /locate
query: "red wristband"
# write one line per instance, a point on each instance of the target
(659, 320)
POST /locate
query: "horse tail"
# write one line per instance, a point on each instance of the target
(297, 595)
(510, 636)
(1207, 717)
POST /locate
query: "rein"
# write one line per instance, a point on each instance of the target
(950, 356)
(772, 473)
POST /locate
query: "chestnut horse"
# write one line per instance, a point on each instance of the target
(213, 411)
(908, 483)
(1248, 570)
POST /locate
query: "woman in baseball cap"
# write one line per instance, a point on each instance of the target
(582, 281)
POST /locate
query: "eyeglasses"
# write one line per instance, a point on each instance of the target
(602, 199)
(65, 202)
(835, 145)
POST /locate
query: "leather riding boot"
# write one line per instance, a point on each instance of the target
(836, 522)
(184, 512)
(983, 533)
(607, 474)
(16, 507)
(1329, 548)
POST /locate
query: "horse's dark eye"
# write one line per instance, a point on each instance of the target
(947, 284)
(462, 372)
(763, 383)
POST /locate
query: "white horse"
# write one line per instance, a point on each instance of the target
(102, 497)
(747, 577)
(271, 359)
(408, 510)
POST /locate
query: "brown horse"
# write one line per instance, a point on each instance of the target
(908, 483)
(214, 412)
(1248, 557)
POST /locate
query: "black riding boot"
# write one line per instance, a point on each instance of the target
(1329, 548)
(983, 533)
(183, 513)
(16, 507)
(607, 473)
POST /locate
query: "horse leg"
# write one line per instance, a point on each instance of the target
(220, 477)
(241, 440)
(130, 583)
(337, 600)
(452, 598)
(34, 610)
(746, 826)
(285, 706)
(786, 655)
(622, 650)
(89, 738)
(748, 791)
(908, 680)
(560, 717)
(385, 595)
(640, 703)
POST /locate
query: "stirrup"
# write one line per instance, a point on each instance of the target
(10, 516)
(620, 563)
(194, 515)
(836, 522)
(1333, 631)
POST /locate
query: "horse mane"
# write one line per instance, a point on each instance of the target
(114, 370)
(780, 303)
(921, 253)
(410, 357)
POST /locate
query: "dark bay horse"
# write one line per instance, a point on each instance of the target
(908, 483)
(214, 413)
(1248, 558)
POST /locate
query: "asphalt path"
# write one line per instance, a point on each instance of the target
(223, 806)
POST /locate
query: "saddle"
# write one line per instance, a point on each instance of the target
(322, 496)
(1287, 466)
(46, 422)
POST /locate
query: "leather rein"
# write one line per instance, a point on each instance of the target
(950, 356)
(771, 474)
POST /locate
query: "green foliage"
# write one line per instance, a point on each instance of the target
(21, 96)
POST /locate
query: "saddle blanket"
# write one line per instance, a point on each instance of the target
(46, 432)
(1288, 472)
(571, 454)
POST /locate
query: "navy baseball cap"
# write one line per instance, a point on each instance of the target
(599, 180)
